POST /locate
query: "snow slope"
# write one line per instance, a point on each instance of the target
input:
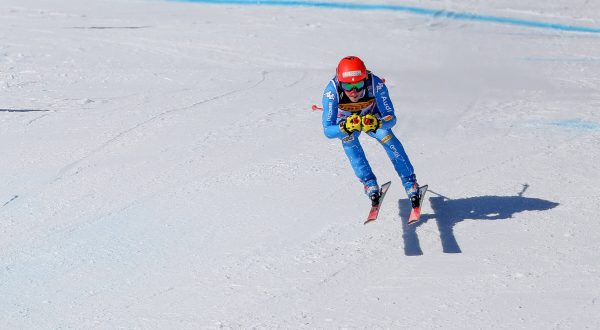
(161, 168)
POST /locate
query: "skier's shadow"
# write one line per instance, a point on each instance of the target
(448, 212)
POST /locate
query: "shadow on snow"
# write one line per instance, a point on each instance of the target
(22, 110)
(448, 212)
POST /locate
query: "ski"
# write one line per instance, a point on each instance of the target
(415, 214)
(375, 209)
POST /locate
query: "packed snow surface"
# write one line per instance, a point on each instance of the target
(161, 167)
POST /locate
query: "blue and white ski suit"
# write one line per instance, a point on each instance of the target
(376, 100)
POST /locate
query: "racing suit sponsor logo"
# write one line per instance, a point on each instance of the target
(329, 95)
(349, 74)
(388, 118)
(386, 138)
(356, 107)
(330, 112)
(348, 138)
(395, 151)
(379, 87)
(386, 105)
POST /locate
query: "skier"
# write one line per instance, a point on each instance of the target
(356, 101)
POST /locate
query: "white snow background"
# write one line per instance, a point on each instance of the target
(161, 168)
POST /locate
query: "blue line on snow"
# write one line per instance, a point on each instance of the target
(464, 16)
(562, 59)
(576, 124)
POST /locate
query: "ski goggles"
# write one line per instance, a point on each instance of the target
(348, 87)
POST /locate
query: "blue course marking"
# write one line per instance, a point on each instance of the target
(463, 16)
(563, 59)
(578, 124)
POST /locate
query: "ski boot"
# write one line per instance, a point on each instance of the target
(415, 201)
(413, 195)
(375, 198)
(373, 193)
(416, 195)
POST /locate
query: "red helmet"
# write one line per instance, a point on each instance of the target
(351, 69)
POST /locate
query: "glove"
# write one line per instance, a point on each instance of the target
(351, 124)
(370, 123)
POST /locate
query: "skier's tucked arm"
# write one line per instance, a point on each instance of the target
(330, 111)
(384, 104)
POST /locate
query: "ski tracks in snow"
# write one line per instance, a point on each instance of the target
(67, 168)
